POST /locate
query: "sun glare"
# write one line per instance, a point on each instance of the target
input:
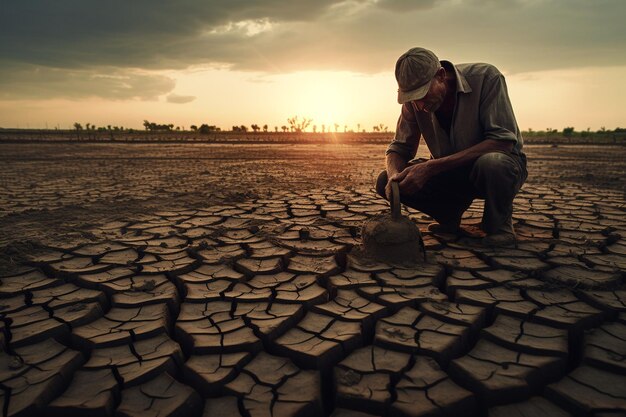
(345, 99)
(326, 98)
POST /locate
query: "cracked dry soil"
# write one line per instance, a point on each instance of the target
(199, 280)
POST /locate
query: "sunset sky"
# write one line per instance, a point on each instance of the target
(233, 62)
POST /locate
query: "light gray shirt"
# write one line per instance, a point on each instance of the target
(482, 111)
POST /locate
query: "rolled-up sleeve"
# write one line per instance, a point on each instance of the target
(496, 113)
(406, 139)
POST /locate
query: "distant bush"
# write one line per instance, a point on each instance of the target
(206, 129)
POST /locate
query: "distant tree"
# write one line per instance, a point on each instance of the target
(299, 125)
(243, 128)
(323, 128)
(265, 128)
(204, 128)
(157, 127)
(345, 128)
(314, 128)
(585, 133)
(284, 128)
(568, 131)
(88, 129)
(255, 128)
(380, 127)
(193, 127)
(78, 128)
(336, 126)
(276, 129)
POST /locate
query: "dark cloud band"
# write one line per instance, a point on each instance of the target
(71, 42)
(36, 82)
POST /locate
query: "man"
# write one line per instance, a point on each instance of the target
(464, 114)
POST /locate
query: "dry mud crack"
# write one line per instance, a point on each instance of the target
(258, 308)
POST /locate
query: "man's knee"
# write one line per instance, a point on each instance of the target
(381, 183)
(496, 166)
(493, 161)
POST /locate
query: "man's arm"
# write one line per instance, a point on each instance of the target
(395, 165)
(404, 145)
(413, 178)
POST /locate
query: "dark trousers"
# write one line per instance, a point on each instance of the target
(495, 177)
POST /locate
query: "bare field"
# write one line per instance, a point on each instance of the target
(202, 280)
(52, 192)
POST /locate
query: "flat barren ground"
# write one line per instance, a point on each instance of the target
(222, 280)
(55, 192)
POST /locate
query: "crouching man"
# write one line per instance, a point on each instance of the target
(464, 114)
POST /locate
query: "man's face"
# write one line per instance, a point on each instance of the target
(435, 96)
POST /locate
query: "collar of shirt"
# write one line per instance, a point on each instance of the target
(462, 86)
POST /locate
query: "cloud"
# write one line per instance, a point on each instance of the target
(175, 98)
(405, 5)
(37, 82)
(124, 33)
(81, 41)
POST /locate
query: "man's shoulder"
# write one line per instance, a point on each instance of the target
(478, 69)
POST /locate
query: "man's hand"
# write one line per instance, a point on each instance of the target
(388, 191)
(412, 178)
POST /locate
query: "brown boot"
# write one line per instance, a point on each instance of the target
(505, 236)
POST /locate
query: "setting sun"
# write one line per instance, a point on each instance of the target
(327, 98)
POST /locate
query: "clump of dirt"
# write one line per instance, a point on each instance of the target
(393, 240)
(15, 255)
